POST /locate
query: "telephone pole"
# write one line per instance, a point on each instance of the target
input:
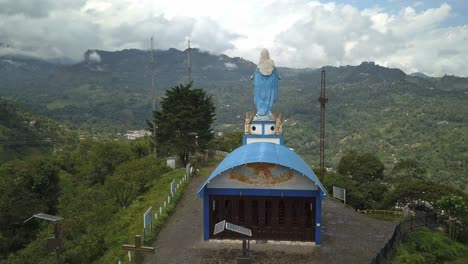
(323, 100)
(153, 72)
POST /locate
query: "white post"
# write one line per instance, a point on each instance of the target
(160, 210)
(344, 196)
(164, 204)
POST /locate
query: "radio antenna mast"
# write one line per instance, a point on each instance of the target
(323, 100)
(189, 61)
(153, 72)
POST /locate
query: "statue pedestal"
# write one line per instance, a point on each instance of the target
(269, 117)
(263, 129)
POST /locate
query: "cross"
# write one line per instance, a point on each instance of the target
(139, 249)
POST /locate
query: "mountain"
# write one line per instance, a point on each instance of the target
(20, 72)
(420, 75)
(371, 107)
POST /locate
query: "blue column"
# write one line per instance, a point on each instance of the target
(206, 215)
(318, 218)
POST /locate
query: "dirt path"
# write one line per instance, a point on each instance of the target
(348, 237)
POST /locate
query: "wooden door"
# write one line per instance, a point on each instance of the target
(269, 218)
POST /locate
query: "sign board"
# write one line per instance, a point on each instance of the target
(147, 218)
(219, 227)
(339, 193)
(171, 162)
(239, 229)
(223, 225)
(52, 218)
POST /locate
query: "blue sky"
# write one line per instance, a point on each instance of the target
(427, 36)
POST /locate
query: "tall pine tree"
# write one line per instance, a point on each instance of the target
(183, 125)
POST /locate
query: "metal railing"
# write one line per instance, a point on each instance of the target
(405, 226)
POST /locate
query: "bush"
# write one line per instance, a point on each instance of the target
(426, 246)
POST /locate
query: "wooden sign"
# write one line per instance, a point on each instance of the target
(138, 249)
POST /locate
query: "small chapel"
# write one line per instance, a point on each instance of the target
(264, 185)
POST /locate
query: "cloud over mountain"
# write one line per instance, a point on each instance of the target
(414, 37)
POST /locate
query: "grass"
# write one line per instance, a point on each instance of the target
(129, 222)
(426, 246)
(59, 103)
(387, 218)
(462, 260)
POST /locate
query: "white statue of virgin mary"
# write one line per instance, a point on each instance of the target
(265, 79)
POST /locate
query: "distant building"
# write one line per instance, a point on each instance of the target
(134, 134)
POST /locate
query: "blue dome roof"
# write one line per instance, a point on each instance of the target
(267, 153)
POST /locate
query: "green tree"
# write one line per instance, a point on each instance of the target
(228, 142)
(183, 125)
(26, 188)
(361, 167)
(95, 161)
(133, 178)
(410, 191)
(408, 169)
(454, 209)
(367, 195)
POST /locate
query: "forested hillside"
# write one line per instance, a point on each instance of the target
(23, 134)
(90, 186)
(370, 108)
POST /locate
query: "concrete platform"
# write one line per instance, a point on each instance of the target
(348, 237)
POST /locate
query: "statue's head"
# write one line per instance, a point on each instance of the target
(264, 55)
(265, 64)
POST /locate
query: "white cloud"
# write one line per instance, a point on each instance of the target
(298, 33)
(94, 57)
(230, 66)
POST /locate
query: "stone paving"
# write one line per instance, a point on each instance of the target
(347, 237)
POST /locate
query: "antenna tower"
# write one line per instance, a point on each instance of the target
(153, 72)
(189, 61)
(323, 100)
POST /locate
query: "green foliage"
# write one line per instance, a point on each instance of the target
(453, 205)
(95, 161)
(455, 210)
(227, 142)
(23, 135)
(365, 195)
(426, 247)
(133, 178)
(184, 122)
(26, 188)
(408, 169)
(126, 224)
(96, 220)
(369, 190)
(409, 191)
(371, 108)
(361, 175)
(382, 217)
(362, 168)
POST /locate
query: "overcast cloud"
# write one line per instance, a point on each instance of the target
(298, 33)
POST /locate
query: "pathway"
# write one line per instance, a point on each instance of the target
(347, 237)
